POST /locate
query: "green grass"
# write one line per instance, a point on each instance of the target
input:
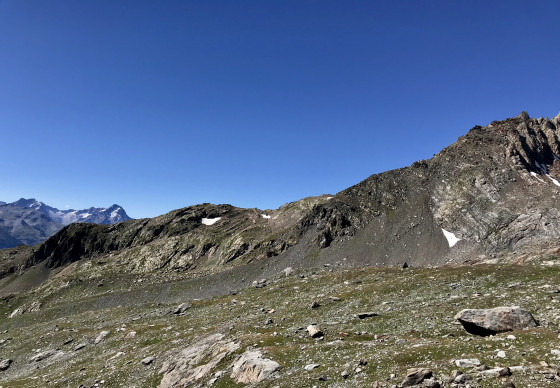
(415, 326)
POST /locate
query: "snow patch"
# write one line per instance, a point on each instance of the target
(210, 221)
(536, 176)
(545, 172)
(451, 238)
(265, 216)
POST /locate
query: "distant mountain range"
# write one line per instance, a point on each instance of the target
(28, 221)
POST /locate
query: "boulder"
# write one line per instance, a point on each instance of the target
(467, 363)
(5, 364)
(182, 308)
(314, 331)
(101, 336)
(416, 376)
(251, 367)
(486, 322)
(42, 355)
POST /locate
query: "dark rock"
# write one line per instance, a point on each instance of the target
(182, 308)
(486, 322)
(366, 315)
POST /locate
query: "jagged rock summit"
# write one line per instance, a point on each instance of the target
(28, 221)
(492, 193)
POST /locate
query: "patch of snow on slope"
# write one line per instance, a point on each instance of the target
(451, 238)
(545, 172)
(265, 216)
(536, 176)
(210, 221)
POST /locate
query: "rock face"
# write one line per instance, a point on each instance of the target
(252, 368)
(196, 361)
(486, 322)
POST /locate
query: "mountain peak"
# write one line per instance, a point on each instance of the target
(524, 116)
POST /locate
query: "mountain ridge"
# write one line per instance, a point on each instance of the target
(28, 221)
(473, 192)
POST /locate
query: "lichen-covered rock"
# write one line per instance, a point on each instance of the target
(486, 322)
(251, 367)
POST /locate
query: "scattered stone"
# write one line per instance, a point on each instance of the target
(485, 322)
(314, 331)
(311, 366)
(42, 355)
(251, 367)
(511, 337)
(323, 378)
(5, 364)
(501, 354)
(182, 308)
(335, 298)
(130, 334)
(504, 372)
(79, 346)
(462, 378)
(148, 360)
(345, 374)
(315, 304)
(508, 384)
(467, 363)
(366, 315)
(416, 376)
(101, 336)
(288, 271)
(260, 283)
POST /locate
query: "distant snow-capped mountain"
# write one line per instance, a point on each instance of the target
(28, 221)
(93, 215)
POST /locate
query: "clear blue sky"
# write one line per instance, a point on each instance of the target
(157, 105)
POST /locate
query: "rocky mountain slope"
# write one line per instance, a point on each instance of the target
(493, 192)
(28, 221)
(351, 289)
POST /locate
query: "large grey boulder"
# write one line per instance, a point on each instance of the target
(486, 322)
(251, 367)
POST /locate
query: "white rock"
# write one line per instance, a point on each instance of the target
(102, 336)
(251, 367)
(501, 354)
(511, 337)
(311, 366)
(467, 362)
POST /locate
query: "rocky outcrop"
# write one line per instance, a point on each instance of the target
(486, 322)
(252, 368)
(196, 361)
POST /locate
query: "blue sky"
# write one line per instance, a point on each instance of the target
(161, 105)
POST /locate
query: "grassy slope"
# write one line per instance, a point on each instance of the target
(415, 326)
